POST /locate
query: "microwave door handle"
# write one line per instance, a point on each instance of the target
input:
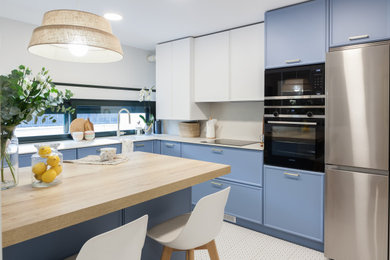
(291, 123)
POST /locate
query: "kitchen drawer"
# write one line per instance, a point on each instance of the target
(244, 201)
(95, 150)
(25, 159)
(294, 201)
(246, 165)
(171, 148)
(69, 154)
(144, 146)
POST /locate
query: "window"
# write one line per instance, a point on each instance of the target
(43, 128)
(102, 113)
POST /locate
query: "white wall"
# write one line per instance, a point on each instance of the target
(236, 120)
(133, 71)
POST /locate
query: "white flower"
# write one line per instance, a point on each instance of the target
(53, 95)
(41, 78)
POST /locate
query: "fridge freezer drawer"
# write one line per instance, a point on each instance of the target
(356, 215)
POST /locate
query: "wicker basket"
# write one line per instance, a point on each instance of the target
(189, 129)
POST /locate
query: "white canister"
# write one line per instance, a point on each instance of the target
(210, 128)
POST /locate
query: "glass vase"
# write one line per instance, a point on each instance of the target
(46, 166)
(148, 129)
(9, 155)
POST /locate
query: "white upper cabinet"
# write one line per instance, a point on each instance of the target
(212, 68)
(174, 82)
(247, 63)
(229, 66)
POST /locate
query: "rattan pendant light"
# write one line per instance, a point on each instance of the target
(75, 36)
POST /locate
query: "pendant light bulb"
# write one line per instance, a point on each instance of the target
(78, 50)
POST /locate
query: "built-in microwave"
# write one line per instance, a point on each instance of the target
(301, 81)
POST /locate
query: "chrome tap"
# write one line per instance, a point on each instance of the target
(118, 131)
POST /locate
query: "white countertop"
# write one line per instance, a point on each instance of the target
(70, 144)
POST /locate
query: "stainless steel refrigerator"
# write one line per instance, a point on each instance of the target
(357, 152)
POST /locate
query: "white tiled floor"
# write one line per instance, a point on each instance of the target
(238, 243)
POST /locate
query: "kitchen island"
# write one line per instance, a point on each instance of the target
(95, 195)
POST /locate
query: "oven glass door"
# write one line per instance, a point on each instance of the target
(295, 143)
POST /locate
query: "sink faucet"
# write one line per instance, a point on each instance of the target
(118, 131)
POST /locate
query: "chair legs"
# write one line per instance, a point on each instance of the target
(211, 248)
(166, 253)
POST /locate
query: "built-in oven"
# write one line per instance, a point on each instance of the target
(294, 117)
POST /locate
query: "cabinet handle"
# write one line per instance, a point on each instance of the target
(139, 145)
(293, 61)
(291, 174)
(359, 37)
(217, 150)
(217, 184)
(169, 145)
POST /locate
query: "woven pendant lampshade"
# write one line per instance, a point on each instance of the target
(75, 36)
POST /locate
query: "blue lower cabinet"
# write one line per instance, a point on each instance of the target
(246, 165)
(171, 148)
(95, 150)
(244, 201)
(294, 201)
(25, 159)
(157, 146)
(69, 154)
(144, 146)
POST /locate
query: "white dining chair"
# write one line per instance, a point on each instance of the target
(123, 243)
(193, 231)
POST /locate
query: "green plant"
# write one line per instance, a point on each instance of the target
(148, 122)
(24, 97)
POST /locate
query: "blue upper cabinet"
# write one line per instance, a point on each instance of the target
(296, 35)
(358, 21)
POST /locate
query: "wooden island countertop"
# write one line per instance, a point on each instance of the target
(90, 191)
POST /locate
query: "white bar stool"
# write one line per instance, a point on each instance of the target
(123, 243)
(193, 231)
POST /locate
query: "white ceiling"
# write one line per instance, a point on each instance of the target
(147, 22)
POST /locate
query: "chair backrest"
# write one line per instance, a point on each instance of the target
(205, 221)
(123, 243)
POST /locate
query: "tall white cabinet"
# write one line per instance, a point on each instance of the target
(229, 66)
(174, 82)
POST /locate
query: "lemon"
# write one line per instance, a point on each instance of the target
(38, 177)
(44, 151)
(49, 176)
(53, 160)
(57, 168)
(39, 168)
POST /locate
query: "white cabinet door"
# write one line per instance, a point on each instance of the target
(247, 63)
(163, 80)
(211, 76)
(181, 78)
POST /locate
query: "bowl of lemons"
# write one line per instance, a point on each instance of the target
(46, 166)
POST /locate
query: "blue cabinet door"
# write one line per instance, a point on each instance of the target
(246, 165)
(358, 21)
(294, 201)
(171, 148)
(25, 159)
(296, 35)
(157, 146)
(244, 201)
(95, 150)
(143, 146)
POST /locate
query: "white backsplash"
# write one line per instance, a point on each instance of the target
(236, 120)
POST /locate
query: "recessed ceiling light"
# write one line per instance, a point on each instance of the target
(113, 16)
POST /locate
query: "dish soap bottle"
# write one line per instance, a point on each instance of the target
(210, 128)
